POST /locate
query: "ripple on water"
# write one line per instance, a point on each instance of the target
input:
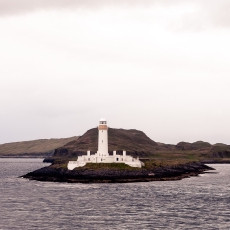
(194, 203)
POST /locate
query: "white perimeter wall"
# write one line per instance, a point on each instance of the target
(83, 160)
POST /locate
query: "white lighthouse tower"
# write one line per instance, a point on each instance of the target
(103, 138)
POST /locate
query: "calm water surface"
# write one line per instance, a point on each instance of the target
(196, 203)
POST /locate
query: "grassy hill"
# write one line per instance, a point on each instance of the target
(138, 144)
(33, 148)
(135, 142)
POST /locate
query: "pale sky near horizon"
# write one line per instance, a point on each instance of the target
(160, 66)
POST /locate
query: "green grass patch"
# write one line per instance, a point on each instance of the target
(60, 165)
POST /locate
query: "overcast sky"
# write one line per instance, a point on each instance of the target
(160, 66)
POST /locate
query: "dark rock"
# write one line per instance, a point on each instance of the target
(106, 175)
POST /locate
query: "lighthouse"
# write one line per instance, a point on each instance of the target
(102, 154)
(103, 138)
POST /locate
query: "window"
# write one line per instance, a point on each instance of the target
(117, 159)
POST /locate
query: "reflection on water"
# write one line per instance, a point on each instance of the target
(195, 203)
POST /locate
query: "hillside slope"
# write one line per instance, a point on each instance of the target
(138, 144)
(35, 147)
(135, 142)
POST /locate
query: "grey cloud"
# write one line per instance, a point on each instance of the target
(213, 13)
(209, 12)
(23, 6)
(219, 13)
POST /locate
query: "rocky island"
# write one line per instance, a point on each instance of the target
(160, 161)
(117, 173)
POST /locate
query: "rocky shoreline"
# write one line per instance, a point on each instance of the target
(105, 175)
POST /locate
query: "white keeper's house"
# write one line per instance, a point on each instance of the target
(102, 155)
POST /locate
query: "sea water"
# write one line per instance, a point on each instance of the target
(201, 202)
